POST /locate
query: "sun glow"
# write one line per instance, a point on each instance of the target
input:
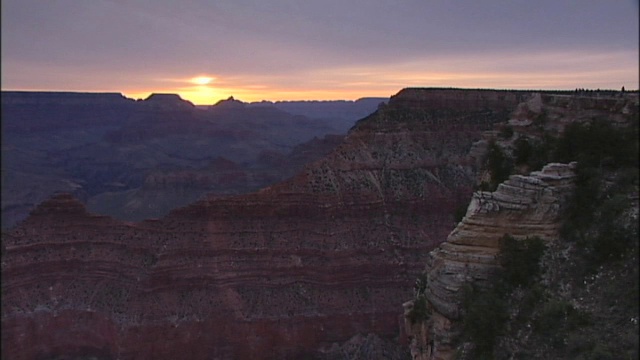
(202, 80)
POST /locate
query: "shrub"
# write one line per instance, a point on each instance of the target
(533, 153)
(559, 316)
(460, 212)
(520, 260)
(580, 208)
(540, 119)
(551, 318)
(485, 311)
(506, 132)
(578, 344)
(420, 285)
(498, 164)
(522, 150)
(600, 352)
(598, 144)
(420, 311)
(593, 216)
(610, 244)
(532, 296)
(484, 319)
(484, 186)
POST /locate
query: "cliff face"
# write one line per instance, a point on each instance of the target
(279, 273)
(168, 189)
(460, 99)
(528, 204)
(523, 206)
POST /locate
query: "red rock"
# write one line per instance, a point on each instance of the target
(331, 253)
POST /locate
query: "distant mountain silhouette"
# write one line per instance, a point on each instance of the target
(138, 159)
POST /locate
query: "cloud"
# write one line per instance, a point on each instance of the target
(286, 47)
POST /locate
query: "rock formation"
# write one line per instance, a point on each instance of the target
(158, 101)
(62, 98)
(526, 205)
(106, 149)
(279, 273)
(523, 206)
(167, 189)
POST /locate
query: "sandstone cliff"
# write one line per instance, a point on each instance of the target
(533, 204)
(276, 274)
(523, 206)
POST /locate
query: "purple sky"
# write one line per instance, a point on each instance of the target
(324, 49)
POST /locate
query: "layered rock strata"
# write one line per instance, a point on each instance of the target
(276, 274)
(523, 206)
(109, 150)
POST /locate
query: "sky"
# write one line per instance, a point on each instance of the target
(207, 50)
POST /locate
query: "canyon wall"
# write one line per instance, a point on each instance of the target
(111, 151)
(528, 204)
(280, 273)
(523, 206)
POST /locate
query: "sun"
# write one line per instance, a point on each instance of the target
(202, 80)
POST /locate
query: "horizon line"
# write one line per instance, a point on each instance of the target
(232, 97)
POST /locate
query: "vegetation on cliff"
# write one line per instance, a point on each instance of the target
(420, 309)
(578, 298)
(485, 310)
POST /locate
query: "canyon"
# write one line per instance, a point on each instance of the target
(300, 267)
(139, 159)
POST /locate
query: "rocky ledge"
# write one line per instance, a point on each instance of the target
(523, 206)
